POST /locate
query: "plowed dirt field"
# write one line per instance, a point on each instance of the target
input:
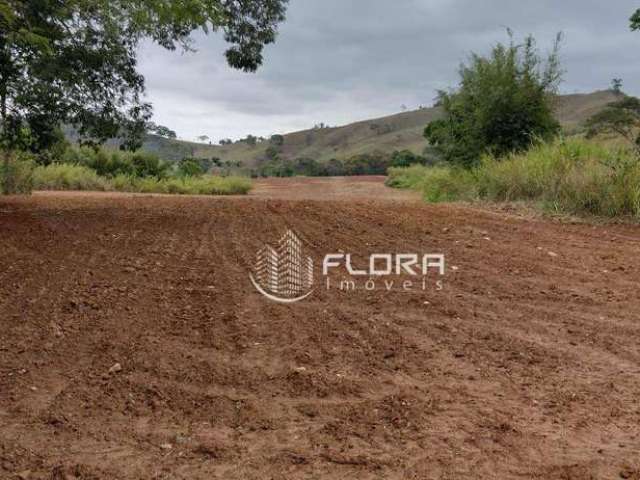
(134, 346)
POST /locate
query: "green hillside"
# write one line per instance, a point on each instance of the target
(386, 134)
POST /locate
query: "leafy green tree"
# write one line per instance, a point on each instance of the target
(74, 61)
(635, 20)
(375, 163)
(277, 140)
(503, 104)
(190, 167)
(334, 168)
(621, 118)
(272, 153)
(307, 167)
(149, 165)
(161, 130)
(405, 158)
(616, 86)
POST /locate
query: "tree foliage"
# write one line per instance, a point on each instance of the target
(620, 118)
(616, 86)
(635, 20)
(277, 140)
(375, 163)
(161, 130)
(74, 61)
(503, 104)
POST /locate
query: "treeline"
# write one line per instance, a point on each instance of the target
(112, 163)
(375, 163)
(88, 168)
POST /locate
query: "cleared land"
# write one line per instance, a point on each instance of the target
(526, 364)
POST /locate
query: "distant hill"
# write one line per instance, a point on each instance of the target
(386, 134)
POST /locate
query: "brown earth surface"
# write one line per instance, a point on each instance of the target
(525, 365)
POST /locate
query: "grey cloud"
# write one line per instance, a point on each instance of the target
(344, 60)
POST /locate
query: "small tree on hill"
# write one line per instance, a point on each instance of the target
(621, 118)
(503, 104)
(161, 130)
(616, 86)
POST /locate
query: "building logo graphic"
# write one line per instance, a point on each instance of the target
(283, 274)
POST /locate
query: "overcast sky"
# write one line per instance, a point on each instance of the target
(339, 61)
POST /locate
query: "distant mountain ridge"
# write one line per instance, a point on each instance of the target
(386, 134)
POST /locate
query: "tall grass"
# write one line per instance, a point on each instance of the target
(16, 174)
(62, 176)
(411, 177)
(202, 185)
(77, 177)
(573, 176)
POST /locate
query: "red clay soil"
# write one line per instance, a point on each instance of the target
(525, 365)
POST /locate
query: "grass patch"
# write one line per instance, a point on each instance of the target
(412, 177)
(202, 185)
(575, 177)
(78, 177)
(60, 176)
(16, 174)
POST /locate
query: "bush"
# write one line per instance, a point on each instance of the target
(405, 158)
(277, 140)
(111, 163)
(407, 177)
(58, 176)
(190, 167)
(16, 174)
(574, 176)
(438, 184)
(375, 163)
(367, 164)
(203, 185)
(503, 105)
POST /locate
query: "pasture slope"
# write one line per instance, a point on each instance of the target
(525, 365)
(387, 134)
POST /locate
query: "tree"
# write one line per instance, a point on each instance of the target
(74, 62)
(277, 140)
(161, 130)
(616, 86)
(203, 138)
(190, 167)
(621, 118)
(635, 20)
(272, 153)
(503, 104)
(250, 140)
(405, 158)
